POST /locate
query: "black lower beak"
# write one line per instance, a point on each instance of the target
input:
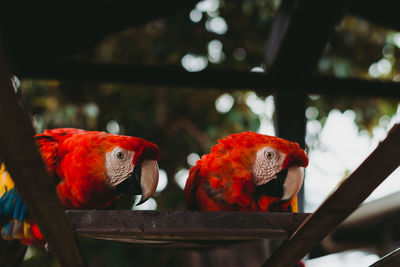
(273, 188)
(131, 185)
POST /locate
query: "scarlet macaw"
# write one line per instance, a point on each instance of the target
(93, 170)
(247, 172)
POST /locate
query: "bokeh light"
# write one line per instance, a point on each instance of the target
(162, 181)
(384, 66)
(224, 103)
(113, 127)
(150, 204)
(194, 63)
(257, 69)
(215, 54)
(217, 25)
(181, 177)
(373, 70)
(192, 158)
(208, 5)
(195, 15)
(239, 54)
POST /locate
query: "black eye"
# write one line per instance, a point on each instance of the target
(269, 155)
(120, 155)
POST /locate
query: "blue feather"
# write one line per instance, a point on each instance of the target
(12, 205)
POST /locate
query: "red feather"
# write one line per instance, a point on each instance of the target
(76, 157)
(221, 180)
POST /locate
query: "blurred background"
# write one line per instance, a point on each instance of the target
(186, 122)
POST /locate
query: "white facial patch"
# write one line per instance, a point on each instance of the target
(119, 166)
(267, 164)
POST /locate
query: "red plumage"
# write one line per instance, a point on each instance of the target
(89, 172)
(76, 157)
(222, 180)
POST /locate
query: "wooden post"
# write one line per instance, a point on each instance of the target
(290, 123)
(299, 33)
(26, 167)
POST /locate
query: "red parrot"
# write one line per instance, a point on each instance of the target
(247, 172)
(93, 170)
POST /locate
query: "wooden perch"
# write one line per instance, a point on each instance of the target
(342, 202)
(184, 225)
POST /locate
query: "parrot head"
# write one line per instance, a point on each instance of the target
(131, 166)
(278, 168)
(246, 171)
(276, 165)
(96, 168)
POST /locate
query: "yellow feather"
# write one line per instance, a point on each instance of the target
(295, 207)
(6, 183)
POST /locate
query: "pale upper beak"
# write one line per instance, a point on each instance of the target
(293, 182)
(143, 180)
(148, 180)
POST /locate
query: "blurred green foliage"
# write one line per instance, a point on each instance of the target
(182, 121)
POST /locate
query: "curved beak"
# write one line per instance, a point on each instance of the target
(293, 182)
(148, 179)
(142, 181)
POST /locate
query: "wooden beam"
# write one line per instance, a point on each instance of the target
(25, 165)
(54, 31)
(349, 194)
(184, 225)
(299, 33)
(390, 260)
(224, 79)
(383, 13)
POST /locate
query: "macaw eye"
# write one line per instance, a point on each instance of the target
(120, 155)
(269, 154)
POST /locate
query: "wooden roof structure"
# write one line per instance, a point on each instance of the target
(36, 52)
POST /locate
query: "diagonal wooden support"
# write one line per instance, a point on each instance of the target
(342, 202)
(390, 260)
(30, 176)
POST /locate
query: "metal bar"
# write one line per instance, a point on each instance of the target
(224, 79)
(349, 194)
(184, 225)
(25, 165)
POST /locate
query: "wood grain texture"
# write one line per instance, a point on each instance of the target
(184, 225)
